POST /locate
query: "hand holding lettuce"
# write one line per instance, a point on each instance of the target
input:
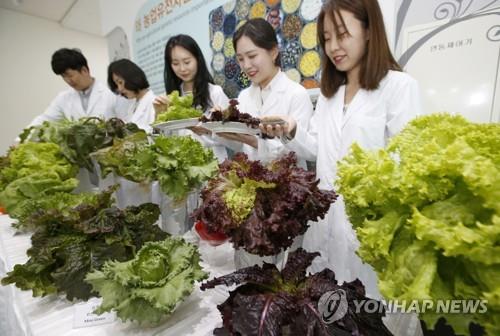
(178, 108)
(427, 214)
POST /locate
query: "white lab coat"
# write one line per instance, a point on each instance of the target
(370, 120)
(218, 99)
(68, 105)
(286, 98)
(141, 113)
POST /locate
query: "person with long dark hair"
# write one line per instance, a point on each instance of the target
(271, 92)
(186, 72)
(128, 80)
(365, 98)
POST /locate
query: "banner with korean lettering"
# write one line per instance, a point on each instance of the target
(157, 21)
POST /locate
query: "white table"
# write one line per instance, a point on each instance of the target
(52, 316)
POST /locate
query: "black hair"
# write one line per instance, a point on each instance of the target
(135, 79)
(64, 59)
(262, 35)
(201, 93)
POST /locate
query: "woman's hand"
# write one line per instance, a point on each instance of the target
(160, 104)
(250, 140)
(278, 126)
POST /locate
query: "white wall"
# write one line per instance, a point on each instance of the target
(27, 83)
(388, 8)
(124, 17)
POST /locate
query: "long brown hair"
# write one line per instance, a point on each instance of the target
(378, 59)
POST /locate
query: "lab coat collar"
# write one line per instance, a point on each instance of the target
(356, 104)
(96, 93)
(277, 85)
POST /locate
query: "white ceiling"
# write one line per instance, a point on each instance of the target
(82, 15)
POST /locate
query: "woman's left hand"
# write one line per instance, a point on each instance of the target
(250, 140)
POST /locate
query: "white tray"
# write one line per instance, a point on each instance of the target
(230, 127)
(176, 124)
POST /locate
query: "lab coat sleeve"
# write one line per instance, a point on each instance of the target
(305, 142)
(218, 97)
(53, 112)
(301, 111)
(403, 105)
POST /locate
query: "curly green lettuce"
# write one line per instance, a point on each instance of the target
(150, 286)
(182, 165)
(179, 107)
(129, 157)
(33, 171)
(427, 213)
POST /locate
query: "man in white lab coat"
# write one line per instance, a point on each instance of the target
(87, 97)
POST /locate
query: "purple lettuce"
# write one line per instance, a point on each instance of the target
(270, 302)
(262, 208)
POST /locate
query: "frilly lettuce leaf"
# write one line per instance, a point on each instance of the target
(150, 286)
(178, 108)
(426, 211)
(33, 171)
(129, 157)
(182, 164)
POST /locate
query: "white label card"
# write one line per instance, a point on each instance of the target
(84, 316)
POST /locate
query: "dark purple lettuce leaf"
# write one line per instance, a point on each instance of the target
(279, 214)
(232, 113)
(270, 302)
(295, 268)
(266, 275)
(262, 314)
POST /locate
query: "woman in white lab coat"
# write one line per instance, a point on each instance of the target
(187, 72)
(127, 79)
(367, 99)
(271, 91)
